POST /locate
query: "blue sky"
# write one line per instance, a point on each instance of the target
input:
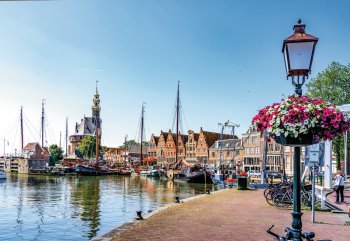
(227, 55)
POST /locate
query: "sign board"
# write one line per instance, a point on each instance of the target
(315, 148)
(310, 157)
(314, 157)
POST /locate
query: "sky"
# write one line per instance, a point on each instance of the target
(226, 54)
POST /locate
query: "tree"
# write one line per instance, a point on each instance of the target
(332, 85)
(129, 143)
(88, 146)
(56, 151)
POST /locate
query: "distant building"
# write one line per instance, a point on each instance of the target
(87, 125)
(230, 150)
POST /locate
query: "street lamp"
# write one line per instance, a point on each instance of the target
(298, 50)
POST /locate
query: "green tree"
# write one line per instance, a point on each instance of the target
(332, 85)
(129, 143)
(56, 151)
(88, 146)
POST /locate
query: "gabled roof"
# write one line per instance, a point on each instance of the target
(156, 139)
(227, 144)
(211, 137)
(165, 134)
(86, 127)
(31, 147)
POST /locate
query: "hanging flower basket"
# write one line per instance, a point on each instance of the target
(300, 121)
(301, 140)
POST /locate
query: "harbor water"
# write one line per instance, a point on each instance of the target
(80, 208)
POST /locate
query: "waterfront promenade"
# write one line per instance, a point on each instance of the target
(230, 215)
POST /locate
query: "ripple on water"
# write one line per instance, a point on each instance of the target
(79, 208)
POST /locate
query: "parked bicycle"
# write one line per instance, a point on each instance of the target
(308, 236)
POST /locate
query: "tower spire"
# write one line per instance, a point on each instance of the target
(96, 104)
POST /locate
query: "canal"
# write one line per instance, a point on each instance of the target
(80, 208)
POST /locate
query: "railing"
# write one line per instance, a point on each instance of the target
(321, 193)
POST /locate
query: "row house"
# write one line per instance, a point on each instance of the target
(230, 151)
(152, 147)
(205, 140)
(252, 144)
(193, 147)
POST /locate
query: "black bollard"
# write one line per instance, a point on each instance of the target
(177, 200)
(139, 215)
(208, 191)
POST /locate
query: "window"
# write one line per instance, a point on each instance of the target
(257, 150)
(246, 150)
(213, 154)
(254, 138)
(252, 150)
(287, 163)
(247, 140)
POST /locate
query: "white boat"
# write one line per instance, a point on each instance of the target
(2, 175)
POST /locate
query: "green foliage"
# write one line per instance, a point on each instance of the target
(129, 143)
(56, 151)
(333, 85)
(88, 146)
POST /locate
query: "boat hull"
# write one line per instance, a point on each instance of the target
(87, 171)
(200, 178)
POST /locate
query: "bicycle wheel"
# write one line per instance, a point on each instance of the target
(278, 200)
(306, 199)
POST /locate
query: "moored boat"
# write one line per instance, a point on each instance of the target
(125, 172)
(87, 170)
(2, 175)
(200, 176)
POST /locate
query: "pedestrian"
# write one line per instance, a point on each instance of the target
(339, 184)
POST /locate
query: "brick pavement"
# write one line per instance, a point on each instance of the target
(346, 204)
(230, 215)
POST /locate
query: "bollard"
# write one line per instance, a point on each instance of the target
(139, 215)
(208, 191)
(177, 199)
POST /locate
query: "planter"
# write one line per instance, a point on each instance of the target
(301, 140)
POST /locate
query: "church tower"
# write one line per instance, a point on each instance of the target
(96, 104)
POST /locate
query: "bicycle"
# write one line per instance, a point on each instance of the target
(308, 236)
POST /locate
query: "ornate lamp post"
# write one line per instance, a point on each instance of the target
(298, 50)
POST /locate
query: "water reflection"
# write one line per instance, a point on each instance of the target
(86, 196)
(80, 208)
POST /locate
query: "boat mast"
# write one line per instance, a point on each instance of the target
(66, 136)
(21, 128)
(42, 122)
(96, 112)
(177, 119)
(142, 123)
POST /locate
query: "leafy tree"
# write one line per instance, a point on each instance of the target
(129, 143)
(56, 151)
(132, 143)
(88, 146)
(332, 85)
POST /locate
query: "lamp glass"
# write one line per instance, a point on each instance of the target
(300, 55)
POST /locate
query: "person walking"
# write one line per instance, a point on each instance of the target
(339, 182)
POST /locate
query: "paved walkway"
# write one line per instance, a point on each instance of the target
(231, 215)
(346, 204)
